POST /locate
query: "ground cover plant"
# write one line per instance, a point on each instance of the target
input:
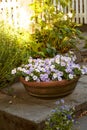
(61, 118)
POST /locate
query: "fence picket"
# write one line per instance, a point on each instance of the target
(81, 11)
(85, 10)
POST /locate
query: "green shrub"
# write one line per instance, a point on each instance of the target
(14, 50)
(55, 32)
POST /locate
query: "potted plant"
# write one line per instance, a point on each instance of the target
(50, 77)
(51, 70)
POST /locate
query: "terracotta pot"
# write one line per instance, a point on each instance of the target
(50, 89)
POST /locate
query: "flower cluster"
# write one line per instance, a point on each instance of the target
(61, 118)
(56, 69)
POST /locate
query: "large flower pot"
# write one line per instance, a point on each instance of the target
(50, 89)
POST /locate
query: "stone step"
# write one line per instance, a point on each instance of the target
(20, 111)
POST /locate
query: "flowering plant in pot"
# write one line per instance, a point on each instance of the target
(44, 75)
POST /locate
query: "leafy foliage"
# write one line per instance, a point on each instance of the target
(54, 31)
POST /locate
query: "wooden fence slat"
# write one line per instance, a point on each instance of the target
(77, 17)
(80, 8)
(85, 10)
(81, 11)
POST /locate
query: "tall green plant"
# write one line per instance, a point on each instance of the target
(55, 32)
(14, 50)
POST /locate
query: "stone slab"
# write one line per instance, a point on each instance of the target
(82, 124)
(19, 107)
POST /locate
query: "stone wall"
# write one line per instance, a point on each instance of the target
(12, 122)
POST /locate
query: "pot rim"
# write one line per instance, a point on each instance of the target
(61, 83)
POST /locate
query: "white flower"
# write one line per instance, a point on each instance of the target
(30, 60)
(27, 78)
(70, 76)
(59, 78)
(68, 70)
(41, 64)
(43, 70)
(35, 67)
(63, 58)
(37, 70)
(52, 66)
(24, 70)
(26, 66)
(13, 71)
(57, 60)
(19, 68)
(31, 74)
(47, 68)
(35, 77)
(67, 59)
(63, 63)
(55, 75)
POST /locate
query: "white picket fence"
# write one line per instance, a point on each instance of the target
(80, 8)
(9, 11)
